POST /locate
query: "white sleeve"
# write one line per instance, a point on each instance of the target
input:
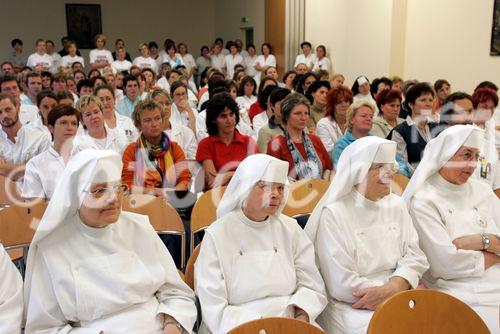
(210, 286)
(42, 308)
(446, 261)
(297, 61)
(92, 56)
(32, 183)
(412, 265)
(11, 296)
(190, 144)
(135, 61)
(30, 62)
(272, 60)
(310, 294)
(323, 134)
(258, 123)
(175, 297)
(335, 253)
(109, 56)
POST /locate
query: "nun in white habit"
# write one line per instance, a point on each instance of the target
(366, 246)
(11, 295)
(95, 269)
(254, 261)
(457, 218)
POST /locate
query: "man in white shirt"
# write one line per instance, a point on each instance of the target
(217, 57)
(132, 96)
(40, 60)
(10, 86)
(56, 57)
(307, 57)
(34, 84)
(18, 143)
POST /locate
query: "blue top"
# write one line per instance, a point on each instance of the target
(349, 138)
(125, 107)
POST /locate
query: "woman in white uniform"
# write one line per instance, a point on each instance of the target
(255, 262)
(95, 269)
(11, 295)
(458, 221)
(366, 247)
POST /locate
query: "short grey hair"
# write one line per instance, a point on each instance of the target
(290, 102)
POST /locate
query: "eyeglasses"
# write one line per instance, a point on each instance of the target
(468, 156)
(101, 191)
(393, 167)
(269, 187)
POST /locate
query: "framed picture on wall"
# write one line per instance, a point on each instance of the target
(83, 23)
(495, 31)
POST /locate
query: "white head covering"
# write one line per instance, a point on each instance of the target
(83, 169)
(255, 168)
(353, 166)
(439, 150)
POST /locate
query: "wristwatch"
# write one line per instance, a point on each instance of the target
(486, 241)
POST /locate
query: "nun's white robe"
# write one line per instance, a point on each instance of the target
(116, 279)
(442, 212)
(361, 244)
(11, 295)
(247, 270)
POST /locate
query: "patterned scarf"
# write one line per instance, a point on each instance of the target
(153, 163)
(310, 169)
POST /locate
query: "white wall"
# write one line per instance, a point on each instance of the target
(357, 34)
(416, 39)
(450, 39)
(228, 14)
(190, 21)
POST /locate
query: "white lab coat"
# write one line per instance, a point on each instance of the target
(361, 244)
(116, 279)
(29, 142)
(186, 139)
(247, 270)
(116, 140)
(329, 132)
(42, 174)
(443, 212)
(11, 295)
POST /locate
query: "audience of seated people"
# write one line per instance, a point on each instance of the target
(82, 132)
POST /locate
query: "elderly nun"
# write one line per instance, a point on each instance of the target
(95, 269)
(254, 261)
(11, 295)
(457, 218)
(366, 246)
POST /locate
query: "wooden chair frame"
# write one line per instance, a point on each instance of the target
(276, 325)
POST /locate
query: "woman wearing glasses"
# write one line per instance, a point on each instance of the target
(366, 246)
(457, 218)
(254, 261)
(95, 269)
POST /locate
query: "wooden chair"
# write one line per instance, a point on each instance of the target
(162, 216)
(399, 183)
(189, 273)
(276, 326)
(9, 194)
(425, 311)
(18, 225)
(304, 195)
(204, 211)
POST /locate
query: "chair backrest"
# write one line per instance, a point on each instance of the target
(304, 195)
(9, 193)
(204, 210)
(18, 223)
(425, 311)
(161, 215)
(189, 274)
(276, 326)
(399, 183)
